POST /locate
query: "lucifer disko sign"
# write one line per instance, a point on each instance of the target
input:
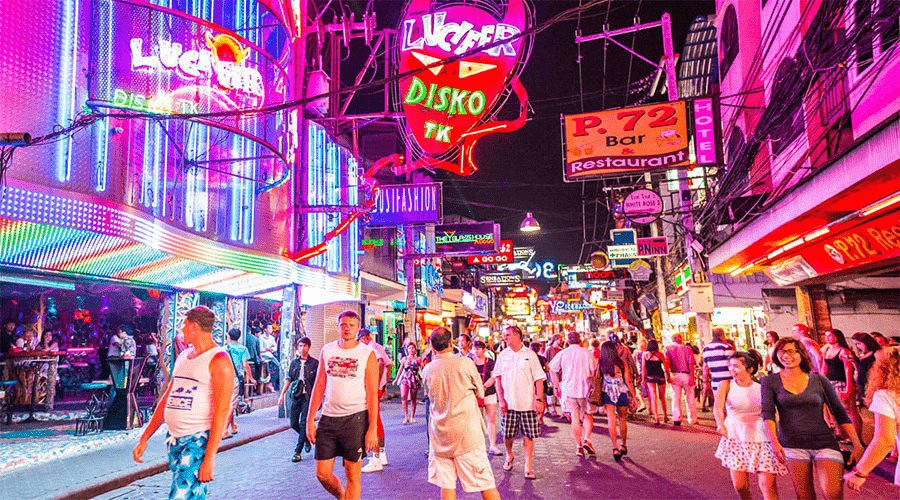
(454, 90)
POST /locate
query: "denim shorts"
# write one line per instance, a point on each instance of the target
(805, 455)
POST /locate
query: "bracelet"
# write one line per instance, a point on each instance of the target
(858, 474)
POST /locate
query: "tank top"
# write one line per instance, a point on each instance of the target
(345, 393)
(189, 406)
(743, 409)
(836, 370)
(655, 368)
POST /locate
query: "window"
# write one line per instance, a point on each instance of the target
(888, 23)
(862, 19)
(786, 100)
(729, 39)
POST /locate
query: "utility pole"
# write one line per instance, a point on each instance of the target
(668, 66)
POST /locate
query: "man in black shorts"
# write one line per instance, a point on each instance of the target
(347, 381)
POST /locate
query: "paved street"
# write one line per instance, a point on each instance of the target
(665, 463)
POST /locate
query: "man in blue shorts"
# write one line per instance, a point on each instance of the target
(195, 408)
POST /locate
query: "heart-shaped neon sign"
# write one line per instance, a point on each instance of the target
(449, 105)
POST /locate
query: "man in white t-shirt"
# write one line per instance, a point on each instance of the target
(577, 366)
(520, 390)
(379, 460)
(347, 382)
(195, 408)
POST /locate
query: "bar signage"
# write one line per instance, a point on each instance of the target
(408, 204)
(476, 238)
(505, 255)
(500, 279)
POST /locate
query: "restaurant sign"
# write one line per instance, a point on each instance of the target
(476, 238)
(616, 141)
(867, 244)
(407, 204)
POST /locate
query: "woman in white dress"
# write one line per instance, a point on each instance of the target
(745, 447)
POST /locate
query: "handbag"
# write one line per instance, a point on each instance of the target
(483, 371)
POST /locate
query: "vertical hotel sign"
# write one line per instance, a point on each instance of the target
(705, 135)
(449, 104)
(626, 140)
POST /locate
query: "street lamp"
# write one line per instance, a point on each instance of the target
(530, 225)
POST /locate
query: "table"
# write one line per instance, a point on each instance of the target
(35, 386)
(123, 412)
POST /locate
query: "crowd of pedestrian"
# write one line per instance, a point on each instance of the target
(794, 411)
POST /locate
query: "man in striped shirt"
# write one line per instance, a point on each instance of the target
(715, 359)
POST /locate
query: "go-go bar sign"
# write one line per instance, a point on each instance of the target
(642, 206)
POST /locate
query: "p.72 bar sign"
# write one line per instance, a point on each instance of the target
(634, 139)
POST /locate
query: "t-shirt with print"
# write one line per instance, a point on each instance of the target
(238, 354)
(518, 371)
(888, 404)
(345, 393)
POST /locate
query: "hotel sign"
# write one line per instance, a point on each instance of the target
(408, 204)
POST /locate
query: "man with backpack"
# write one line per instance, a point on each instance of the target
(239, 358)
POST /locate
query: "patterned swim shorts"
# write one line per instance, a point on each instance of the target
(185, 457)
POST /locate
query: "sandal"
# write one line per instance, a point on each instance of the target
(530, 475)
(617, 455)
(624, 450)
(507, 465)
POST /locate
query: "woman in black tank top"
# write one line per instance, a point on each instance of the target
(655, 372)
(838, 367)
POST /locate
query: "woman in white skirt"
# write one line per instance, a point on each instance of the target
(745, 447)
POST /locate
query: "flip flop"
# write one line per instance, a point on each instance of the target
(227, 436)
(530, 475)
(507, 466)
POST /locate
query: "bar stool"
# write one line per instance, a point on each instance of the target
(5, 406)
(95, 407)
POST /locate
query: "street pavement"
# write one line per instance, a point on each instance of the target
(665, 462)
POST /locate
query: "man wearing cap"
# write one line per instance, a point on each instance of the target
(379, 458)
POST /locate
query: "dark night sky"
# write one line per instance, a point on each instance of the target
(523, 171)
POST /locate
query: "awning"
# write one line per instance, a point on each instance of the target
(817, 213)
(377, 288)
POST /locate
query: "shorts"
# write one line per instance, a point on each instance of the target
(656, 380)
(473, 470)
(236, 392)
(578, 406)
(491, 399)
(622, 400)
(343, 437)
(513, 421)
(185, 456)
(806, 455)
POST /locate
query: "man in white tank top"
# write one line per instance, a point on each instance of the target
(195, 407)
(348, 383)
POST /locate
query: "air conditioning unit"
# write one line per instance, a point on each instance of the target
(318, 83)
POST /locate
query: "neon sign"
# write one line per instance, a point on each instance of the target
(449, 106)
(223, 59)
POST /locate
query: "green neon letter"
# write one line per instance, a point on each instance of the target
(416, 92)
(476, 102)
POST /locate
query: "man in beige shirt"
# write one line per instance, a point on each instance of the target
(456, 427)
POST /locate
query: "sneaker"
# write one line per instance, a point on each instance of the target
(678, 423)
(588, 448)
(296, 458)
(580, 451)
(374, 465)
(383, 456)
